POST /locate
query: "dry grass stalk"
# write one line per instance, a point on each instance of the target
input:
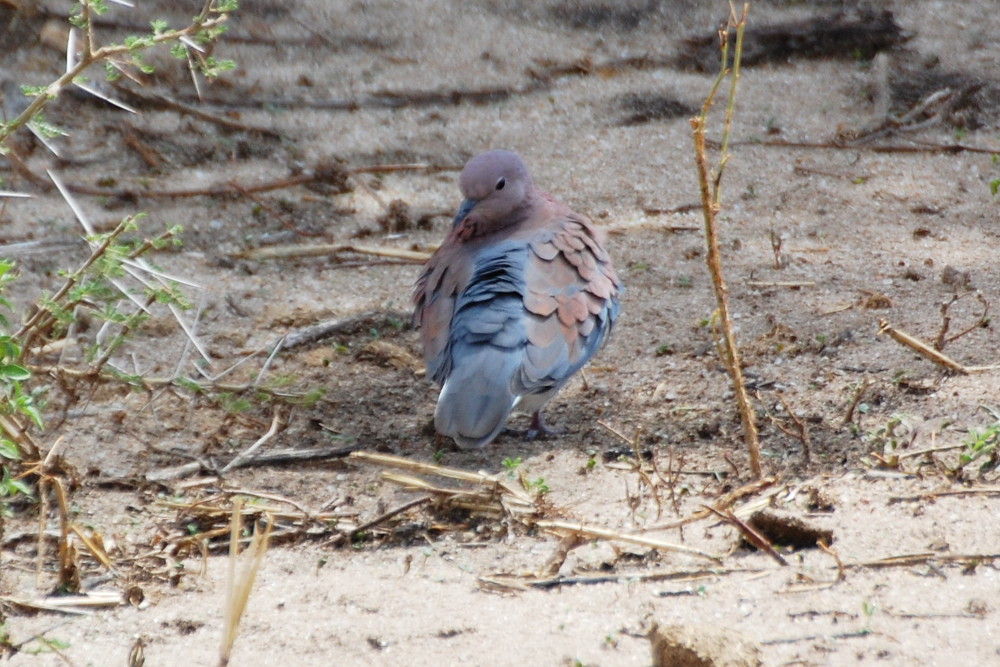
(790, 284)
(247, 454)
(604, 534)
(978, 491)
(79, 605)
(982, 321)
(728, 499)
(359, 322)
(554, 563)
(750, 534)
(495, 484)
(48, 480)
(484, 500)
(855, 401)
(521, 583)
(95, 545)
(635, 465)
(825, 548)
(327, 249)
(213, 516)
(385, 516)
(800, 431)
(921, 348)
(710, 203)
(238, 586)
(517, 582)
(17, 433)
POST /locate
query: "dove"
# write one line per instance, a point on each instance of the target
(518, 297)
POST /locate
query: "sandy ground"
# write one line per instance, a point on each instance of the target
(864, 235)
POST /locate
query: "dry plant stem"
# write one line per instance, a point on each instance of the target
(801, 431)
(858, 395)
(721, 504)
(368, 525)
(96, 367)
(710, 198)
(943, 337)
(151, 383)
(322, 250)
(825, 548)
(921, 348)
(316, 332)
(908, 560)
(920, 147)
(276, 423)
(238, 587)
(17, 433)
(750, 534)
(981, 491)
(151, 99)
(791, 284)
(604, 534)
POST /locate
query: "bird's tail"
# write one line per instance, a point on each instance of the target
(475, 402)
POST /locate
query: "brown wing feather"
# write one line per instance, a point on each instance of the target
(570, 282)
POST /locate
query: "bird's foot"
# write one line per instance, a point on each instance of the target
(539, 429)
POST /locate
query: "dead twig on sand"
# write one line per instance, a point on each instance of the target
(382, 518)
(347, 325)
(276, 424)
(916, 147)
(583, 530)
(275, 458)
(825, 548)
(750, 534)
(490, 494)
(331, 175)
(517, 582)
(982, 321)
(152, 100)
(505, 581)
(855, 401)
(978, 491)
(921, 348)
(711, 194)
(798, 430)
(323, 250)
(726, 501)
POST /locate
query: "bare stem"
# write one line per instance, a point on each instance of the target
(710, 203)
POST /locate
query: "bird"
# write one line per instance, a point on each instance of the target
(518, 297)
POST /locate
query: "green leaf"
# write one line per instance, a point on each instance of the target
(14, 372)
(9, 450)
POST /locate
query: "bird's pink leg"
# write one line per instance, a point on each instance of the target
(538, 428)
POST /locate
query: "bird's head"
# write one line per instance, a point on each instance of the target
(497, 189)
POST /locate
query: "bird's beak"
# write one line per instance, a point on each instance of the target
(464, 210)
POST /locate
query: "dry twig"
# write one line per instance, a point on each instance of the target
(604, 534)
(855, 401)
(921, 348)
(983, 320)
(800, 431)
(326, 249)
(710, 204)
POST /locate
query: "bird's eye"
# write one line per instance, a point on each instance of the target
(502, 182)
